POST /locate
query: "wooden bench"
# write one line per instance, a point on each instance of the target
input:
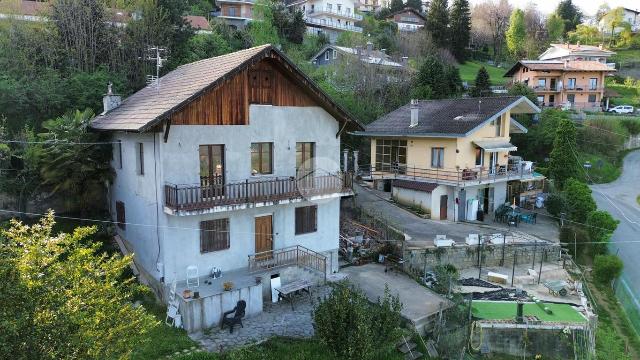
(288, 290)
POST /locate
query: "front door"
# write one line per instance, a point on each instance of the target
(264, 235)
(443, 207)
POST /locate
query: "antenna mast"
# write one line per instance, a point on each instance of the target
(159, 55)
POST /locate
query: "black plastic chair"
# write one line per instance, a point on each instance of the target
(238, 314)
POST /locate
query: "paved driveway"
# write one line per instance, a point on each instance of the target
(619, 199)
(423, 231)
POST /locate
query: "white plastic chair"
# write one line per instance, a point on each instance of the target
(192, 276)
(473, 239)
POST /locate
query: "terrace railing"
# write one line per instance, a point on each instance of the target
(290, 256)
(209, 194)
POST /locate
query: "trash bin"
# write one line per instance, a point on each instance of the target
(480, 215)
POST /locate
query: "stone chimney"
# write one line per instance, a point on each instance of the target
(369, 48)
(110, 101)
(414, 113)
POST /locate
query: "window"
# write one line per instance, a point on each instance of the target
(391, 155)
(120, 216)
(211, 164)
(339, 7)
(571, 84)
(232, 11)
(437, 157)
(571, 98)
(541, 99)
(140, 158)
(542, 83)
(306, 219)
(326, 55)
(261, 158)
(117, 155)
(335, 54)
(260, 83)
(305, 153)
(552, 99)
(214, 235)
(479, 156)
(499, 126)
(592, 98)
(593, 84)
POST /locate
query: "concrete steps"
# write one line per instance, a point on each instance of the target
(408, 348)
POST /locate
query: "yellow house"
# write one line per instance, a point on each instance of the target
(450, 157)
(575, 84)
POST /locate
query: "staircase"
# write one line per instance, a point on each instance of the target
(290, 256)
(409, 349)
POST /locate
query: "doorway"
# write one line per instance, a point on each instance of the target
(485, 201)
(443, 207)
(211, 170)
(462, 202)
(264, 236)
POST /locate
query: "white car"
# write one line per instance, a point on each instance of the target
(622, 109)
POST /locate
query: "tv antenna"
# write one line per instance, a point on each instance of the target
(159, 55)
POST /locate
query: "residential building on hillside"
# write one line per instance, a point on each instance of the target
(408, 19)
(577, 52)
(567, 84)
(230, 163)
(629, 16)
(329, 17)
(236, 13)
(369, 6)
(450, 157)
(333, 54)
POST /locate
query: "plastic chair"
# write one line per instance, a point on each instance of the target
(192, 276)
(238, 313)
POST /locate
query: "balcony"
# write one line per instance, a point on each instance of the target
(584, 88)
(455, 177)
(332, 24)
(290, 256)
(546, 89)
(210, 196)
(332, 12)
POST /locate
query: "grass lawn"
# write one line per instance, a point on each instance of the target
(501, 310)
(469, 70)
(603, 169)
(626, 55)
(628, 95)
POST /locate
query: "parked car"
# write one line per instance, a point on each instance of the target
(622, 109)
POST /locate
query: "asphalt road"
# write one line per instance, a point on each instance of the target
(619, 199)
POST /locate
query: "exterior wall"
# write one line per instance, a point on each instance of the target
(436, 195)
(410, 197)
(236, 10)
(322, 58)
(466, 158)
(408, 21)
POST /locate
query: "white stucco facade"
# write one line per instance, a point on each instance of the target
(165, 244)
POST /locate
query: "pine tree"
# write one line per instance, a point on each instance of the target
(516, 34)
(482, 86)
(460, 29)
(438, 23)
(396, 5)
(563, 162)
(414, 4)
(570, 13)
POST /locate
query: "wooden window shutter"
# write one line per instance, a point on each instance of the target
(306, 219)
(214, 235)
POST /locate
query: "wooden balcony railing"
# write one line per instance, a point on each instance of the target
(210, 194)
(290, 256)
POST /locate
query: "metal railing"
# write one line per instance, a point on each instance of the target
(343, 14)
(583, 88)
(332, 24)
(546, 88)
(209, 194)
(447, 176)
(297, 255)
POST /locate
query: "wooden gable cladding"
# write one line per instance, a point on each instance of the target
(228, 103)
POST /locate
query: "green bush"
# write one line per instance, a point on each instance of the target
(607, 268)
(446, 275)
(556, 204)
(351, 327)
(632, 126)
(601, 227)
(579, 200)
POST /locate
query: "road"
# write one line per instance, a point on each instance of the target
(619, 199)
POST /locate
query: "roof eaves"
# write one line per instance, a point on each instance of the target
(513, 104)
(401, 134)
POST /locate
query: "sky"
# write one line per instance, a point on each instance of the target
(589, 7)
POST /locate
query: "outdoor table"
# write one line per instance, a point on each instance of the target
(287, 291)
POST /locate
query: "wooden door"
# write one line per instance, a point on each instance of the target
(264, 235)
(443, 207)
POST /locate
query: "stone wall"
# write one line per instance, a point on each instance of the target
(465, 256)
(550, 343)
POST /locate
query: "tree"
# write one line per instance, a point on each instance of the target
(607, 268)
(290, 24)
(67, 300)
(601, 227)
(523, 90)
(555, 27)
(614, 19)
(603, 9)
(584, 34)
(563, 163)
(570, 14)
(438, 23)
(396, 5)
(73, 162)
(261, 29)
(436, 80)
(414, 4)
(516, 34)
(482, 85)
(579, 200)
(492, 18)
(460, 16)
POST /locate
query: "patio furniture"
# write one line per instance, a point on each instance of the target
(497, 239)
(529, 218)
(238, 313)
(192, 276)
(287, 291)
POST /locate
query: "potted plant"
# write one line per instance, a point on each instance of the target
(227, 286)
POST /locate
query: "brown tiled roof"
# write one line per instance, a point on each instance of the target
(446, 118)
(581, 47)
(407, 9)
(557, 65)
(198, 22)
(147, 107)
(415, 185)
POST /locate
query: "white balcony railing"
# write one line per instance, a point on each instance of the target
(342, 14)
(332, 24)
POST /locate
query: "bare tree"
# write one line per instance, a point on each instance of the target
(492, 17)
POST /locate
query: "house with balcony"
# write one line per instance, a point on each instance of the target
(452, 157)
(578, 52)
(328, 17)
(408, 19)
(236, 13)
(230, 163)
(574, 84)
(630, 17)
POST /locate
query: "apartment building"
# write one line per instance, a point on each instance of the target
(329, 17)
(577, 52)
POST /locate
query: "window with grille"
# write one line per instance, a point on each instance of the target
(120, 216)
(214, 235)
(261, 158)
(306, 219)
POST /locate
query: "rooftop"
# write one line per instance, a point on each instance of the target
(447, 118)
(506, 310)
(375, 57)
(558, 65)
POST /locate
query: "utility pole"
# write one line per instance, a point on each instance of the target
(513, 270)
(504, 243)
(540, 272)
(480, 260)
(533, 263)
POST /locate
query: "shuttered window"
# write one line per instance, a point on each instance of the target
(214, 235)
(306, 219)
(120, 216)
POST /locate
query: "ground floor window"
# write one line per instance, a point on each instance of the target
(214, 235)
(592, 98)
(306, 219)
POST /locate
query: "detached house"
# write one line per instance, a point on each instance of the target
(229, 163)
(450, 157)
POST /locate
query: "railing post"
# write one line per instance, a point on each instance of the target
(246, 191)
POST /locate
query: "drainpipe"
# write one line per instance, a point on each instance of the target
(345, 160)
(356, 168)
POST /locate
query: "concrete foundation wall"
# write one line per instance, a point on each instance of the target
(550, 343)
(413, 198)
